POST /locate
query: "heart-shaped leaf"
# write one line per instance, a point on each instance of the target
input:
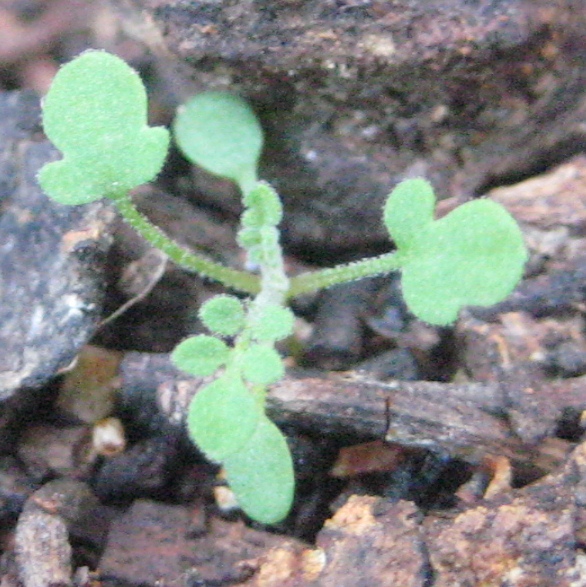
(96, 114)
(474, 256)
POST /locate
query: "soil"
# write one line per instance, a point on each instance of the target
(424, 456)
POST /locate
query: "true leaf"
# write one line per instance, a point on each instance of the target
(220, 132)
(200, 355)
(249, 238)
(262, 365)
(96, 114)
(223, 315)
(272, 323)
(264, 207)
(222, 417)
(261, 474)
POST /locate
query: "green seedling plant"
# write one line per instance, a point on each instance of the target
(96, 114)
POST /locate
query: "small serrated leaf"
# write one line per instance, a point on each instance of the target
(200, 355)
(220, 132)
(96, 114)
(222, 417)
(223, 315)
(261, 474)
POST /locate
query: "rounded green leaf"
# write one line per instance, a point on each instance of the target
(409, 207)
(223, 315)
(262, 365)
(222, 417)
(200, 355)
(95, 113)
(272, 323)
(261, 474)
(474, 256)
(220, 132)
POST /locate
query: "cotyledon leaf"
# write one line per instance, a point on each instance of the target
(95, 113)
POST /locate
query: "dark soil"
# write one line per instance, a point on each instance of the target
(425, 457)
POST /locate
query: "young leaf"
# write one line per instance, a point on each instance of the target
(474, 256)
(250, 239)
(408, 209)
(262, 365)
(264, 207)
(223, 315)
(222, 417)
(220, 132)
(261, 474)
(272, 323)
(200, 355)
(96, 114)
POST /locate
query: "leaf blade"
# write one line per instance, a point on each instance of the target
(95, 113)
(474, 256)
(222, 418)
(220, 132)
(261, 475)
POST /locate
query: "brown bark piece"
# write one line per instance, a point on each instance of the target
(369, 541)
(516, 346)
(44, 552)
(549, 201)
(152, 544)
(521, 543)
(450, 418)
(466, 421)
(524, 539)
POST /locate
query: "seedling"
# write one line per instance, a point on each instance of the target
(95, 113)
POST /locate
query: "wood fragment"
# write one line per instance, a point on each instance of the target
(467, 421)
(153, 544)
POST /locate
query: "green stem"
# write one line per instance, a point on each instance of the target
(239, 280)
(317, 280)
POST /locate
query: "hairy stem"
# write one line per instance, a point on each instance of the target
(317, 280)
(239, 280)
